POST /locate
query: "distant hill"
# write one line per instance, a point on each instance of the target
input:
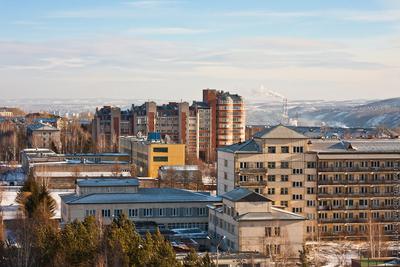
(331, 113)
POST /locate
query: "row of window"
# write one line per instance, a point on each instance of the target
(285, 149)
(151, 212)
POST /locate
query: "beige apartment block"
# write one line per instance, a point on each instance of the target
(346, 189)
(274, 163)
(247, 221)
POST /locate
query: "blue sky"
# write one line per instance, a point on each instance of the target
(172, 49)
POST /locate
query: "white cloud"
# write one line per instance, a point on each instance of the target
(167, 31)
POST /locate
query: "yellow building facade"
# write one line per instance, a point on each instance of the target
(150, 156)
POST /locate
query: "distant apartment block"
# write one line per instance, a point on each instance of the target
(216, 121)
(43, 136)
(150, 154)
(344, 188)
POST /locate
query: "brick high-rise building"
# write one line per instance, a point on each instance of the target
(227, 117)
(216, 121)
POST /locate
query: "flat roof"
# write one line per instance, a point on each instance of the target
(275, 214)
(144, 195)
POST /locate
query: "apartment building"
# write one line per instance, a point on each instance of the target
(108, 198)
(249, 222)
(107, 125)
(150, 154)
(216, 121)
(43, 136)
(358, 188)
(343, 188)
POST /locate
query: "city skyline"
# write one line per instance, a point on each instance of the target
(303, 50)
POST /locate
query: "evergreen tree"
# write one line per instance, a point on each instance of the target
(35, 200)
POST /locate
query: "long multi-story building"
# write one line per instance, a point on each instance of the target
(346, 189)
(216, 121)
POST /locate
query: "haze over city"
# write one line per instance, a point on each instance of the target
(172, 49)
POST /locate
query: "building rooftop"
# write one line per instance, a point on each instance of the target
(356, 146)
(275, 214)
(249, 146)
(105, 182)
(245, 195)
(279, 132)
(41, 127)
(144, 195)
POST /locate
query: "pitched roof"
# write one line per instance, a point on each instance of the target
(279, 132)
(356, 146)
(41, 127)
(245, 195)
(275, 214)
(249, 146)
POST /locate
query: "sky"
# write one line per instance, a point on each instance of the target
(170, 50)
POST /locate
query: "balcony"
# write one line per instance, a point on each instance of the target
(358, 169)
(252, 170)
(252, 183)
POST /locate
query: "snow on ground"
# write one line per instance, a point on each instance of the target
(9, 207)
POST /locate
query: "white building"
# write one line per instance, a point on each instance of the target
(107, 198)
(246, 221)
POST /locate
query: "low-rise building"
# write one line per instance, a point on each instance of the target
(150, 154)
(108, 198)
(247, 221)
(43, 136)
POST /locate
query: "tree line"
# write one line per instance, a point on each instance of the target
(34, 239)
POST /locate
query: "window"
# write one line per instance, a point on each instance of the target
(298, 149)
(90, 213)
(202, 211)
(259, 165)
(277, 231)
(297, 197)
(297, 210)
(284, 165)
(310, 177)
(244, 165)
(225, 163)
(225, 176)
(174, 212)
(160, 159)
(268, 231)
(271, 178)
(187, 212)
(297, 171)
(297, 184)
(148, 212)
(271, 149)
(161, 212)
(284, 203)
(117, 213)
(284, 178)
(242, 178)
(271, 165)
(284, 149)
(106, 213)
(133, 212)
(311, 165)
(160, 149)
(284, 191)
(310, 203)
(310, 190)
(271, 191)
